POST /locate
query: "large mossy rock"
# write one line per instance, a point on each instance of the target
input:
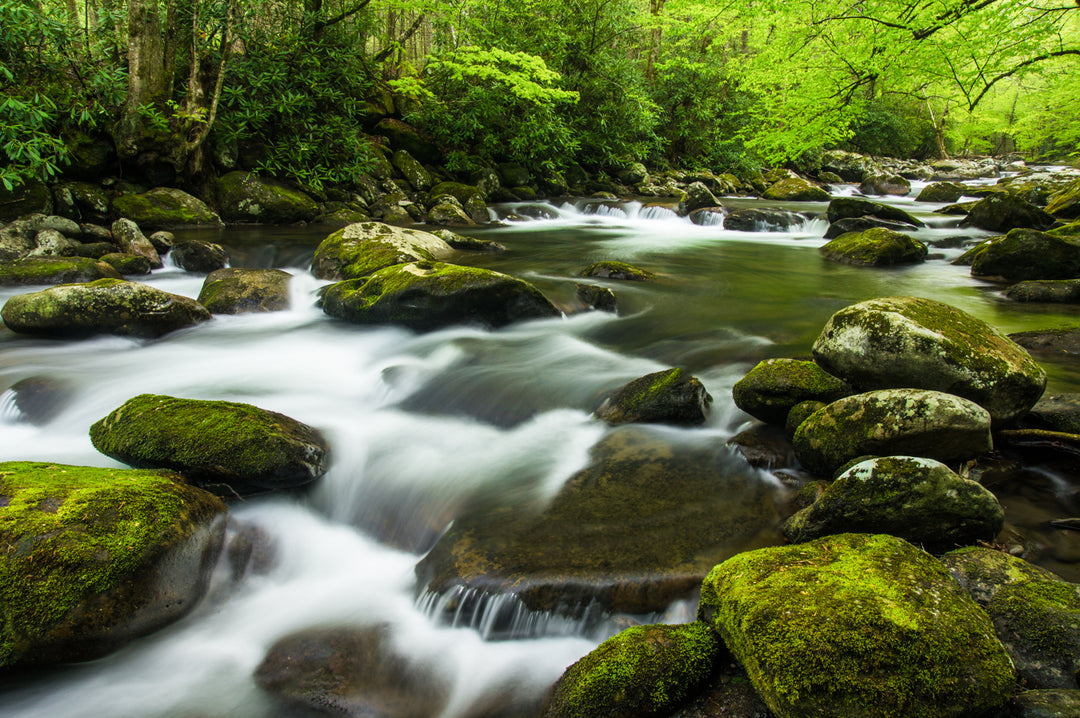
(850, 166)
(772, 388)
(638, 528)
(911, 342)
(669, 397)
(362, 249)
(1065, 203)
(856, 626)
(246, 197)
(97, 557)
(107, 306)
(431, 295)
(1001, 211)
(226, 447)
(642, 671)
(886, 184)
(610, 269)
(411, 169)
(846, 207)
(875, 247)
(238, 290)
(981, 571)
(920, 500)
(944, 192)
(892, 422)
(54, 270)
(1025, 254)
(795, 189)
(165, 208)
(1038, 621)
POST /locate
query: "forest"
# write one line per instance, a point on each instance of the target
(168, 88)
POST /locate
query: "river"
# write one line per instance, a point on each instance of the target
(421, 425)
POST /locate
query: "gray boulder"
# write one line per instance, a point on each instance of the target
(131, 240)
(762, 220)
(1027, 254)
(239, 290)
(1053, 291)
(887, 184)
(51, 243)
(196, 255)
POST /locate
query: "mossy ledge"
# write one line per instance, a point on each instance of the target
(95, 557)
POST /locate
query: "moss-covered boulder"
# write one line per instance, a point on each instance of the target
(770, 390)
(944, 192)
(795, 189)
(238, 290)
(892, 422)
(165, 208)
(224, 446)
(1002, 211)
(448, 212)
(1065, 203)
(617, 270)
(845, 207)
(1038, 621)
(53, 270)
(97, 557)
(131, 240)
(861, 224)
(364, 248)
(1051, 291)
(413, 172)
(246, 197)
(349, 671)
(127, 264)
(856, 626)
(431, 295)
(920, 500)
(981, 571)
(671, 396)
(1026, 254)
(638, 528)
(876, 247)
(199, 256)
(912, 342)
(885, 184)
(597, 298)
(642, 671)
(850, 166)
(106, 306)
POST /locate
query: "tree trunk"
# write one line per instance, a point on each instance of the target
(147, 83)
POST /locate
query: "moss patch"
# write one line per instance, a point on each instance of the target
(54, 270)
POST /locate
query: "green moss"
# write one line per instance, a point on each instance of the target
(1045, 614)
(876, 247)
(617, 270)
(53, 270)
(642, 671)
(774, 386)
(72, 531)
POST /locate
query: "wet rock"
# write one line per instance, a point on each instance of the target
(770, 390)
(946, 192)
(699, 196)
(362, 249)
(708, 216)
(127, 264)
(1054, 291)
(1057, 412)
(982, 571)
(877, 247)
(892, 422)
(36, 400)
(665, 397)
(165, 208)
(888, 184)
(131, 240)
(448, 211)
(861, 224)
(764, 447)
(800, 413)
(224, 446)
(1026, 254)
(196, 255)
(795, 189)
(106, 306)
(1063, 341)
(53, 270)
(847, 207)
(1001, 212)
(246, 197)
(1038, 622)
(912, 342)
(856, 625)
(162, 241)
(644, 670)
(617, 270)
(250, 550)
(413, 172)
(431, 295)
(636, 529)
(762, 220)
(1046, 703)
(350, 672)
(237, 290)
(1065, 203)
(598, 298)
(920, 500)
(102, 556)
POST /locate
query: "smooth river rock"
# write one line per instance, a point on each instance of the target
(362, 249)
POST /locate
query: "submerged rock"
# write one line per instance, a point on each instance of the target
(107, 306)
(892, 422)
(762, 220)
(876, 247)
(54, 270)
(668, 397)
(98, 557)
(1057, 412)
(1025, 254)
(430, 295)
(36, 400)
(644, 670)
(772, 388)
(1054, 291)
(920, 500)
(598, 298)
(226, 447)
(1063, 341)
(166, 208)
(856, 626)
(362, 249)
(238, 290)
(912, 342)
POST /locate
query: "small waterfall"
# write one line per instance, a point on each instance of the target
(502, 617)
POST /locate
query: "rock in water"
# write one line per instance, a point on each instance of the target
(671, 396)
(1027, 254)
(107, 306)
(226, 447)
(1001, 212)
(131, 240)
(54, 270)
(795, 189)
(856, 626)
(775, 386)
(875, 247)
(430, 295)
(1038, 621)
(889, 422)
(920, 500)
(99, 557)
(237, 290)
(362, 249)
(195, 255)
(911, 342)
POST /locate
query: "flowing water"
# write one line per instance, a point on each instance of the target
(425, 426)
